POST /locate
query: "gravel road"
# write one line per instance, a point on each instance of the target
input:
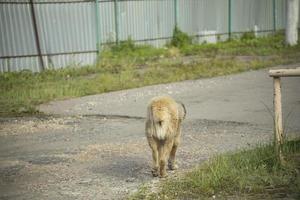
(94, 147)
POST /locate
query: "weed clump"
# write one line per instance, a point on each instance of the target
(180, 39)
(130, 51)
(248, 36)
(126, 45)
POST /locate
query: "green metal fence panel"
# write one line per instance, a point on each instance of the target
(280, 14)
(200, 15)
(149, 22)
(254, 15)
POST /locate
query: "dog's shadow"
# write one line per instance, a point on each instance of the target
(124, 167)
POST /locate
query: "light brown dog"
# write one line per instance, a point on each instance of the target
(163, 130)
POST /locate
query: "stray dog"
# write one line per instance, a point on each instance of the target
(163, 130)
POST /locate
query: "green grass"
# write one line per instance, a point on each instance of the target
(247, 45)
(247, 174)
(128, 65)
(261, 46)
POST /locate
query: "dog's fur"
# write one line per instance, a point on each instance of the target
(163, 130)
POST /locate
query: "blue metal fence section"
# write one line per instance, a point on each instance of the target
(68, 31)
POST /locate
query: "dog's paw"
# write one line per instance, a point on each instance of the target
(172, 166)
(165, 175)
(154, 172)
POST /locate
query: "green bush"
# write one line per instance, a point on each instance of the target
(126, 45)
(248, 36)
(130, 51)
(180, 39)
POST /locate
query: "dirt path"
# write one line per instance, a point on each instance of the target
(96, 148)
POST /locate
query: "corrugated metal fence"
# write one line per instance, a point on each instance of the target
(43, 34)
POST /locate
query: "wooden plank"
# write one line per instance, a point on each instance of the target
(284, 72)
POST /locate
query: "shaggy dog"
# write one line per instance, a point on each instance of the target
(163, 130)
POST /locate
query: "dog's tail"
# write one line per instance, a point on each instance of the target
(158, 123)
(183, 111)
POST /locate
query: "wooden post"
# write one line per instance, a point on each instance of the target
(278, 127)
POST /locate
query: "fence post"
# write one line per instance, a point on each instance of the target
(116, 5)
(36, 35)
(229, 19)
(274, 16)
(278, 118)
(278, 127)
(98, 38)
(176, 12)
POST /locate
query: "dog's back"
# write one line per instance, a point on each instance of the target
(163, 117)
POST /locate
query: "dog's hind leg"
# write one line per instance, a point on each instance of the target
(163, 153)
(172, 163)
(154, 148)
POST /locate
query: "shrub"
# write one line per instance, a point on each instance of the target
(126, 45)
(180, 39)
(248, 36)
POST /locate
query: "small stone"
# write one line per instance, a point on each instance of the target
(130, 180)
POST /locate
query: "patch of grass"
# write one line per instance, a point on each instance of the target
(128, 65)
(247, 45)
(130, 52)
(248, 36)
(250, 173)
